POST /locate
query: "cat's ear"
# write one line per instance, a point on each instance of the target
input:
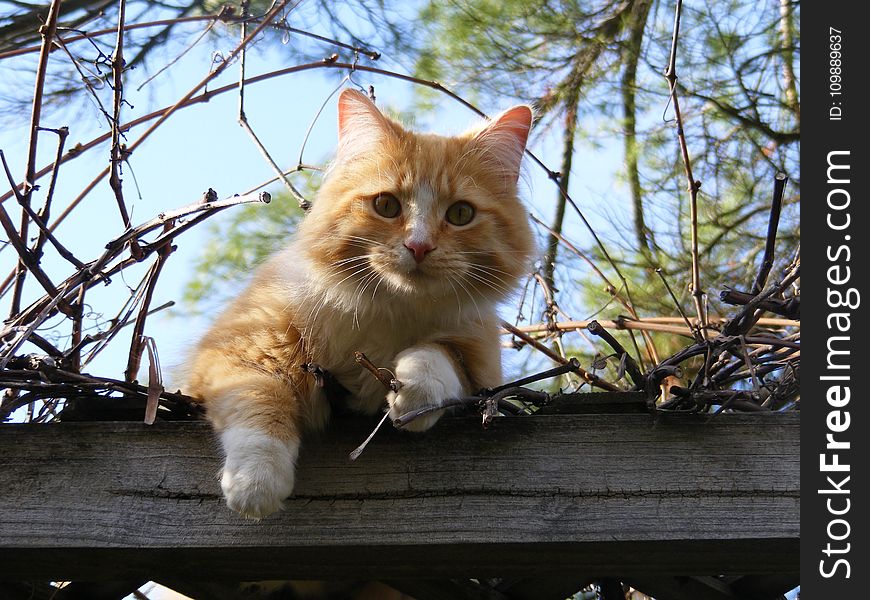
(504, 139)
(361, 126)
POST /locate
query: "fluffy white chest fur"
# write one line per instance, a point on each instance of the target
(346, 318)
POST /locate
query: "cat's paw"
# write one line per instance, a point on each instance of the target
(428, 377)
(259, 471)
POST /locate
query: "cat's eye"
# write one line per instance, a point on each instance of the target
(460, 213)
(387, 206)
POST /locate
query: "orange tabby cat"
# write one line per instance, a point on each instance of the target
(411, 243)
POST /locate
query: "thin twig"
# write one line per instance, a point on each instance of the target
(226, 10)
(25, 257)
(299, 164)
(117, 152)
(45, 233)
(304, 204)
(750, 366)
(789, 308)
(276, 8)
(693, 185)
(137, 344)
(634, 371)
(123, 318)
(359, 449)
(75, 360)
(679, 306)
(45, 211)
(741, 322)
(225, 16)
(390, 383)
(243, 119)
(385, 376)
(550, 311)
(48, 31)
(94, 273)
(611, 289)
(779, 183)
(12, 347)
(570, 366)
(660, 324)
(590, 378)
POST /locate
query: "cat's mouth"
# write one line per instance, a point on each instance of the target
(409, 277)
(418, 274)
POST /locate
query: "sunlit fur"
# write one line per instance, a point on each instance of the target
(347, 281)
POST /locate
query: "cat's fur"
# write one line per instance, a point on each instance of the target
(415, 293)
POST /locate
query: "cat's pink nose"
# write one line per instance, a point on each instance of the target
(419, 249)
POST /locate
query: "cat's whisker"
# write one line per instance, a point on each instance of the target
(358, 296)
(375, 290)
(458, 301)
(489, 252)
(312, 315)
(470, 297)
(358, 245)
(501, 290)
(343, 261)
(489, 269)
(348, 265)
(357, 238)
(489, 276)
(493, 277)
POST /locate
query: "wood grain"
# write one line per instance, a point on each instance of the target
(597, 494)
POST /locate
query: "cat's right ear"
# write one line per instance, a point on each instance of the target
(361, 126)
(504, 140)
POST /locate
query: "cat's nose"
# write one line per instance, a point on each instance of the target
(419, 249)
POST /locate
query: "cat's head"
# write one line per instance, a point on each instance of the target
(419, 215)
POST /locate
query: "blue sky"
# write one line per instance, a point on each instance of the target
(203, 147)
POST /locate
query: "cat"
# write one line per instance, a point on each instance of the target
(411, 242)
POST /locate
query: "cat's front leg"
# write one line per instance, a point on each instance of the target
(258, 422)
(259, 470)
(430, 374)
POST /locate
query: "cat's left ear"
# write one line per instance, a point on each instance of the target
(361, 126)
(505, 137)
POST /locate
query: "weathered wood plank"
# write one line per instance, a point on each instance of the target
(597, 494)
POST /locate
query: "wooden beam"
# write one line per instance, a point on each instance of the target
(604, 495)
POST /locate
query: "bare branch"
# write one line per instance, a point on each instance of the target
(118, 153)
(47, 31)
(693, 185)
(779, 183)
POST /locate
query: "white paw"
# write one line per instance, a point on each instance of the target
(428, 378)
(259, 471)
